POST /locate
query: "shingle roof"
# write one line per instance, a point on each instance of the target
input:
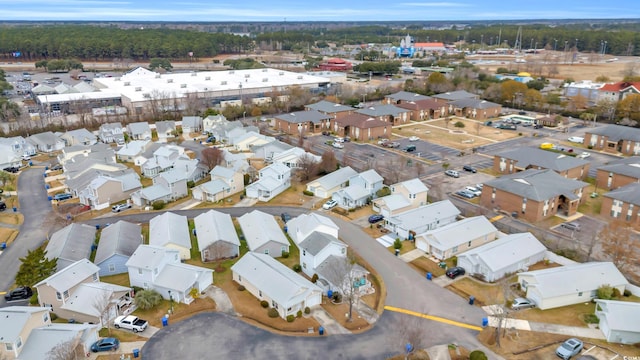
(415, 218)
(71, 243)
(336, 178)
(507, 250)
(382, 110)
(164, 126)
(361, 121)
(629, 194)
(627, 167)
(407, 96)
(456, 95)
(526, 156)
(371, 176)
(621, 315)
(460, 232)
(259, 228)
(474, 103)
(617, 132)
(316, 241)
(179, 276)
(414, 186)
(169, 228)
(121, 238)
(313, 116)
(71, 275)
(13, 320)
(537, 185)
(149, 256)
(329, 107)
(138, 128)
(223, 172)
(87, 293)
(213, 226)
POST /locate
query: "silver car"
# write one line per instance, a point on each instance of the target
(120, 207)
(569, 348)
(522, 303)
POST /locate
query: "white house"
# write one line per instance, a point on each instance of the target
(224, 182)
(449, 240)
(166, 130)
(159, 268)
(191, 124)
(217, 238)
(262, 233)
(273, 180)
(325, 186)
(111, 133)
(269, 280)
(172, 231)
(421, 219)
(570, 284)
(404, 196)
(46, 142)
(292, 157)
(211, 122)
(139, 131)
(303, 225)
(507, 255)
(316, 248)
(175, 180)
(248, 140)
(370, 180)
(131, 150)
(619, 321)
(361, 190)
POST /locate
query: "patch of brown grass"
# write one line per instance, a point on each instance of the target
(180, 311)
(485, 294)
(458, 353)
(406, 247)
(424, 265)
(340, 313)
(121, 334)
(7, 235)
(118, 279)
(540, 265)
(571, 315)
(11, 218)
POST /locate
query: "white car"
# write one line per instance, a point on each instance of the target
(330, 204)
(382, 141)
(584, 155)
(120, 207)
(414, 138)
(576, 139)
(337, 145)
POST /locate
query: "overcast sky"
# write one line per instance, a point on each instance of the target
(314, 10)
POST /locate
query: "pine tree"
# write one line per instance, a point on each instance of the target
(35, 267)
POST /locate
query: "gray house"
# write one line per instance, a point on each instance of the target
(111, 133)
(70, 244)
(117, 243)
(166, 130)
(262, 233)
(79, 137)
(419, 220)
(191, 124)
(139, 131)
(46, 142)
(217, 238)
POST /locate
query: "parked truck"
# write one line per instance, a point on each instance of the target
(130, 322)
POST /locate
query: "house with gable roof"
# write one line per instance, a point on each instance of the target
(172, 231)
(79, 137)
(214, 121)
(111, 133)
(302, 122)
(361, 127)
(263, 234)
(618, 173)
(300, 227)
(269, 280)
(133, 149)
(139, 130)
(117, 243)
(449, 240)
(507, 255)
(388, 113)
(619, 321)
(548, 288)
(191, 124)
(107, 189)
(46, 142)
(272, 180)
(162, 159)
(524, 158)
(361, 190)
(325, 186)
(415, 221)
(224, 183)
(622, 204)
(331, 109)
(159, 268)
(614, 138)
(425, 109)
(405, 195)
(70, 244)
(217, 238)
(69, 291)
(402, 97)
(166, 130)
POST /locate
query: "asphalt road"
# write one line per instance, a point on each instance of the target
(36, 209)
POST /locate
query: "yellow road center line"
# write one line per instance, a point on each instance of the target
(434, 318)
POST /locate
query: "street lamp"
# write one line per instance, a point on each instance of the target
(170, 303)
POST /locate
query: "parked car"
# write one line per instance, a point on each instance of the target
(465, 194)
(130, 322)
(522, 303)
(3, 206)
(538, 126)
(211, 139)
(573, 226)
(479, 186)
(63, 196)
(576, 139)
(409, 148)
(120, 207)
(375, 218)
(382, 141)
(330, 204)
(414, 138)
(338, 140)
(473, 190)
(12, 169)
(469, 168)
(391, 144)
(452, 173)
(337, 145)
(105, 344)
(56, 167)
(285, 217)
(546, 146)
(583, 155)
(454, 272)
(326, 133)
(569, 348)
(19, 293)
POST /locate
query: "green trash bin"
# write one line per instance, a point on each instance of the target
(443, 265)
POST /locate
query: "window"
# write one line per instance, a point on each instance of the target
(469, 244)
(266, 251)
(304, 252)
(274, 304)
(45, 317)
(66, 294)
(304, 265)
(139, 271)
(580, 293)
(175, 257)
(260, 293)
(58, 295)
(155, 271)
(239, 278)
(283, 249)
(455, 249)
(19, 342)
(343, 250)
(8, 346)
(95, 277)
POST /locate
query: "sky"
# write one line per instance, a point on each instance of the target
(314, 10)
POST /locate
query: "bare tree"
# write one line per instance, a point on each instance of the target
(103, 305)
(621, 244)
(63, 351)
(307, 167)
(501, 311)
(344, 275)
(328, 162)
(420, 167)
(211, 157)
(409, 331)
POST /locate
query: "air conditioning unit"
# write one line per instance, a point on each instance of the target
(193, 73)
(207, 77)
(265, 70)
(183, 86)
(299, 77)
(281, 73)
(126, 83)
(223, 83)
(169, 81)
(138, 89)
(157, 76)
(231, 72)
(265, 80)
(247, 75)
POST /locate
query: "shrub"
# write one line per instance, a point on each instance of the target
(297, 268)
(191, 184)
(383, 192)
(459, 124)
(591, 319)
(307, 192)
(616, 293)
(241, 288)
(627, 293)
(158, 205)
(147, 299)
(299, 314)
(33, 301)
(590, 147)
(285, 254)
(290, 318)
(337, 297)
(264, 304)
(307, 310)
(477, 355)
(273, 313)
(54, 316)
(397, 244)
(454, 259)
(605, 292)
(314, 278)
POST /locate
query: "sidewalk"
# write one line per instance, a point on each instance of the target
(330, 325)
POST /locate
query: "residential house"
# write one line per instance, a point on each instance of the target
(361, 127)
(507, 255)
(139, 131)
(303, 225)
(622, 204)
(425, 109)
(619, 320)
(534, 195)
(191, 169)
(262, 233)
(404, 196)
(524, 158)
(362, 188)
(403, 97)
(76, 293)
(191, 124)
(159, 268)
(548, 288)
(409, 223)
(213, 121)
(151, 194)
(166, 130)
(225, 130)
(295, 158)
(224, 183)
(70, 152)
(550, 120)
(70, 244)
(18, 146)
(171, 231)
(111, 133)
(239, 162)
(316, 248)
(388, 113)
(331, 109)
(9, 158)
(26, 332)
(272, 180)
(267, 151)
(176, 181)
(247, 140)
(79, 137)
(106, 189)
(325, 186)
(449, 240)
(618, 173)
(614, 138)
(217, 238)
(163, 159)
(302, 122)
(618, 91)
(269, 280)
(117, 243)
(46, 142)
(133, 149)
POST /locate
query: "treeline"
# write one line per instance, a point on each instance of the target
(104, 43)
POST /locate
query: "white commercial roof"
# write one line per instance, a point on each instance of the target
(64, 98)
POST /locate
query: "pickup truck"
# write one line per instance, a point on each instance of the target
(131, 323)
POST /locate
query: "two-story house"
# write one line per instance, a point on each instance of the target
(79, 137)
(172, 231)
(139, 131)
(303, 225)
(111, 133)
(325, 186)
(272, 180)
(407, 224)
(224, 182)
(405, 195)
(361, 190)
(166, 130)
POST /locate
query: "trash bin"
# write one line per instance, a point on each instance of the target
(329, 294)
(442, 265)
(44, 175)
(485, 322)
(136, 353)
(285, 228)
(321, 330)
(97, 226)
(3, 246)
(49, 198)
(397, 252)
(15, 209)
(46, 186)
(472, 299)
(429, 276)
(165, 321)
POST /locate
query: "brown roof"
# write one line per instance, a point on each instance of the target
(420, 104)
(360, 121)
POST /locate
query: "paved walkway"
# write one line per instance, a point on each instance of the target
(439, 352)
(330, 325)
(246, 202)
(223, 303)
(412, 255)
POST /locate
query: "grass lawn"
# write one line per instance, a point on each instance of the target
(180, 311)
(592, 206)
(7, 235)
(424, 265)
(11, 218)
(121, 334)
(406, 247)
(485, 294)
(572, 315)
(118, 279)
(340, 312)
